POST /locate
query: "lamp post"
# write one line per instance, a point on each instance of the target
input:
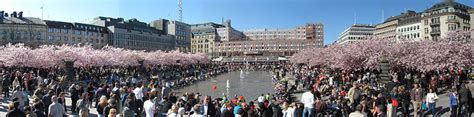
(142, 69)
(384, 74)
(69, 67)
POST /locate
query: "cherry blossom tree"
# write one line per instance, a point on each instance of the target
(454, 51)
(47, 56)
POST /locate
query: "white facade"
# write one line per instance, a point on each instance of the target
(229, 34)
(472, 24)
(355, 33)
(409, 31)
(308, 31)
(182, 34)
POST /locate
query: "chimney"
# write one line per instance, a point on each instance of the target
(6, 15)
(14, 14)
(20, 15)
(1, 16)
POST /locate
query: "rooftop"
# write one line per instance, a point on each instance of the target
(448, 3)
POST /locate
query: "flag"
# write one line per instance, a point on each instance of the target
(214, 88)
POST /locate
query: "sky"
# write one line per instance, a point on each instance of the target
(336, 15)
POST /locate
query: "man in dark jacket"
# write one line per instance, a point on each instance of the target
(111, 105)
(464, 99)
(299, 110)
(132, 103)
(47, 101)
(251, 112)
(228, 111)
(74, 97)
(264, 111)
(207, 104)
(16, 112)
(6, 87)
(166, 105)
(277, 112)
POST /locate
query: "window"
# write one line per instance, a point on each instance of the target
(50, 30)
(66, 31)
(50, 38)
(451, 17)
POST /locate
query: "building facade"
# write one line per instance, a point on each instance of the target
(309, 31)
(356, 32)
(472, 24)
(444, 17)
(133, 34)
(204, 37)
(280, 47)
(228, 33)
(409, 26)
(14, 28)
(387, 29)
(181, 32)
(76, 33)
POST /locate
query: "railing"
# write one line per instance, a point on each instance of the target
(434, 23)
(452, 21)
(435, 32)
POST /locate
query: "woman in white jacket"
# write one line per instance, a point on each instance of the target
(431, 99)
(288, 110)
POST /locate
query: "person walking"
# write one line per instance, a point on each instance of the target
(431, 99)
(6, 87)
(83, 105)
(453, 103)
(74, 92)
(308, 101)
(416, 99)
(56, 109)
(15, 110)
(149, 107)
(357, 112)
(464, 101)
(101, 105)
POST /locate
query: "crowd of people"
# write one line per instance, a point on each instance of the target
(147, 92)
(363, 93)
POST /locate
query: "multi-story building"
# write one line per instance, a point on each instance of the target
(387, 29)
(278, 47)
(227, 33)
(181, 32)
(204, 37)
(409, 26)
(133, 34)
(308, 31)
(472, 24)
(76, 33)
(444, 17)
(356, 32)
(15, 28)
